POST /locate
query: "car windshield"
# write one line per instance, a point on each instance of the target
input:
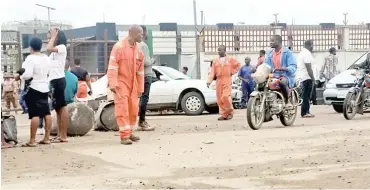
(173, 73)
(359, 60)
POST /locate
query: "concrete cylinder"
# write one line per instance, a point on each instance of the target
(105, 117)
(81, 120)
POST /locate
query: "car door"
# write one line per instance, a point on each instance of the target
(160, 91)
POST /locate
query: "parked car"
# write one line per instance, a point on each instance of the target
(173, 90)
(337, 88)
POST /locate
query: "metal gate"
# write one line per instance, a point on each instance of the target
(11, 56)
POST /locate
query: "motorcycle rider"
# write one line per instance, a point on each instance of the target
(366, 66)
(284, 65)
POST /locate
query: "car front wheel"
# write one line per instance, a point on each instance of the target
(192, 103)
(338, 108)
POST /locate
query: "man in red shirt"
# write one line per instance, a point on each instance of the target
(261, 58)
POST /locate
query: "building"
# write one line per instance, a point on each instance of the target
(87, 45)
(12, 41)
(175, 44)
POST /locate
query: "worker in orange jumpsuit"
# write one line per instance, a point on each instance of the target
(222, 70)
(126, 81)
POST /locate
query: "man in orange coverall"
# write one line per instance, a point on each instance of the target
(222, 70)
(126, 81)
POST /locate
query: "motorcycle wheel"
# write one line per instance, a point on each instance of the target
(253, 107)
(349, 106)
(288, 121)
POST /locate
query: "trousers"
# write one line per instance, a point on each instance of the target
(307, 88)
(144, 99)
(284, 86)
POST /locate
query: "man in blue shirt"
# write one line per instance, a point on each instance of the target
(282, 62)
(247, 81)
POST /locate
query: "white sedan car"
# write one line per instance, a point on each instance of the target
(172, 90)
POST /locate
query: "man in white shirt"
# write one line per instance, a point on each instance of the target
(34, 72)
(57, 47)
(306, 73)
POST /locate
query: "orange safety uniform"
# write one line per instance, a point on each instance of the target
(82, 89)
(224, 70)
(126, 75)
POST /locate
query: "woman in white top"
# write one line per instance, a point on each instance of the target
(57, 47)
(34, 72)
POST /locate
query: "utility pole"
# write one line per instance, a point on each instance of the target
(345, 21)
(201, 18)
(276, 18)
(197, 49)
(143, 19)
(49, 8)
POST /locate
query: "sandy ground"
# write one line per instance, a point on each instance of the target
(200, 152)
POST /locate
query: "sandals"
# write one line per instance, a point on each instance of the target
(29, 145)
(58, 140)
(308, 116)
(6, 145)
(42, 142)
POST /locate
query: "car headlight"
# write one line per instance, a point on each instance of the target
(329, 85)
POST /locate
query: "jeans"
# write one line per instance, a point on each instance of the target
(284, 86)
(314, 96)
(247, 90)
(307, 87)
(22, 102)
(144, 99)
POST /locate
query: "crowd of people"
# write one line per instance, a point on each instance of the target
(46, 83)
(284, 65)
(49, 82)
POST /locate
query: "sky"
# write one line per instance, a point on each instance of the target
(81, 13)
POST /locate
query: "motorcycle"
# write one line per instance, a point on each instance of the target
(267, 100)
(353, 98)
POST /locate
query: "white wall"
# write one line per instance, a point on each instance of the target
(188, 42)
(164, 42)
(345, 59)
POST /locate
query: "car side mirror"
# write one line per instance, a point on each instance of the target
(163, 78)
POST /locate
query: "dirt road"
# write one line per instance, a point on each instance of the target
(200, 152)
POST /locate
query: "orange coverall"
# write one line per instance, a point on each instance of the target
(126, 75)
(224, 73)
(82, 89)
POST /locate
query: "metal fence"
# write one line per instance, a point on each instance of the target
(93, 54)
(255, 38)
(11, 56)
(359, 37)
(323, 38)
